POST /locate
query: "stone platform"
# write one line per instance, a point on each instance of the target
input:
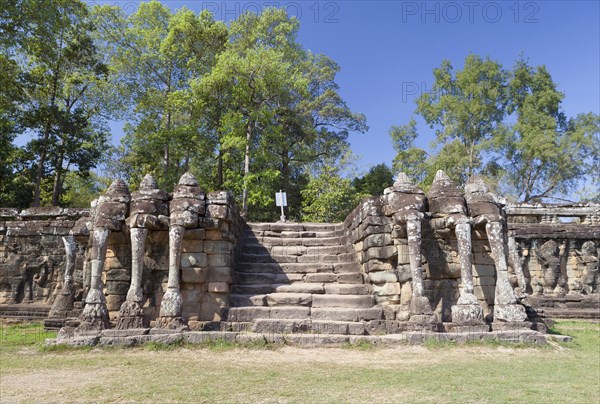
(137, 337)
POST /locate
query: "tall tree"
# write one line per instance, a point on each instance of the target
(545, 153)
(509, 126)
(256, 70)
(278, 105)
(60, 69)
(155, 54)
(466, 106)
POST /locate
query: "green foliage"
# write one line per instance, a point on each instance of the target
(328, 196)
(243, 107)
(506, 125)
(154, 54)
(375, 181)
(545, 154)
(55, 71)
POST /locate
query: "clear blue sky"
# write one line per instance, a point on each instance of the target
(387, 50)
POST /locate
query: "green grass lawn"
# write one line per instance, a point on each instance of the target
(225, 372)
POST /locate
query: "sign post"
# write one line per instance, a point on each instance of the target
(281, 200)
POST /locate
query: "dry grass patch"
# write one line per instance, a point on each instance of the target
(481, 374)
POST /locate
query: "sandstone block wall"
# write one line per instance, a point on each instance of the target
(32, 256)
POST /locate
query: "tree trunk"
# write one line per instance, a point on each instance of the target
(220, 170)
(57, 188)
(38, 178)
(249, 128)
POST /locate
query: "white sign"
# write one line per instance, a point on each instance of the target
(280, 199)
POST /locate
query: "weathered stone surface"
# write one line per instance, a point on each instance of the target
(345, 301)
(289, 299)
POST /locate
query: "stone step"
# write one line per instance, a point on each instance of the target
(289, 326)
(345, 289)
(290, 253)
(288, 226)
(267, 258)
(251, 313)
(255, 289)
(300, 287)
(289, 299)
(346, 314)
(280, 326)
(287, 268)
(246, 314)
(290, 286)
(343, 301)
(244, 300)
(272, 241)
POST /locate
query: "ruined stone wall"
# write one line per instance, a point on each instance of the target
(556, 250)
(32, 257)
(206, 264)
(558, 247)
(382, 251)
(32, 254)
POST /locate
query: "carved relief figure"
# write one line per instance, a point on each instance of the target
(548, 256)
(30, 276)
(587, 259)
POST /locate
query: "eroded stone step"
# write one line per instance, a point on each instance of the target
(245, 300)
(346, 289)
(346, 314)
(288, 268)
(283, 239)
(288, 226)
(300, 287)
(288, 326)
(343, 301)
(289, 299)
(247, 314)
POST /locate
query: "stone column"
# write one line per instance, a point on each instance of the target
(131, 314)
(171, 306)
(108, 215)
(149, 211)
(506, 306)
(95, 312)
(467, 310)
(63, 304)
(485, 208)
(186, 208)
(515, 259)
(449, 211)
(419, 303)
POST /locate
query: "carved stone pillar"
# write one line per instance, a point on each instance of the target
(506, 305)
(517, 265)
(186, 208)
(449, 211)
(467, 310)
(484, 209)
(109, 215)
(95, 312)
(419, 303)
(63, 304)
(149, 210)
(131, 314)
(406, 202)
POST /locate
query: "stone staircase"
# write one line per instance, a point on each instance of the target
(299, 278)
